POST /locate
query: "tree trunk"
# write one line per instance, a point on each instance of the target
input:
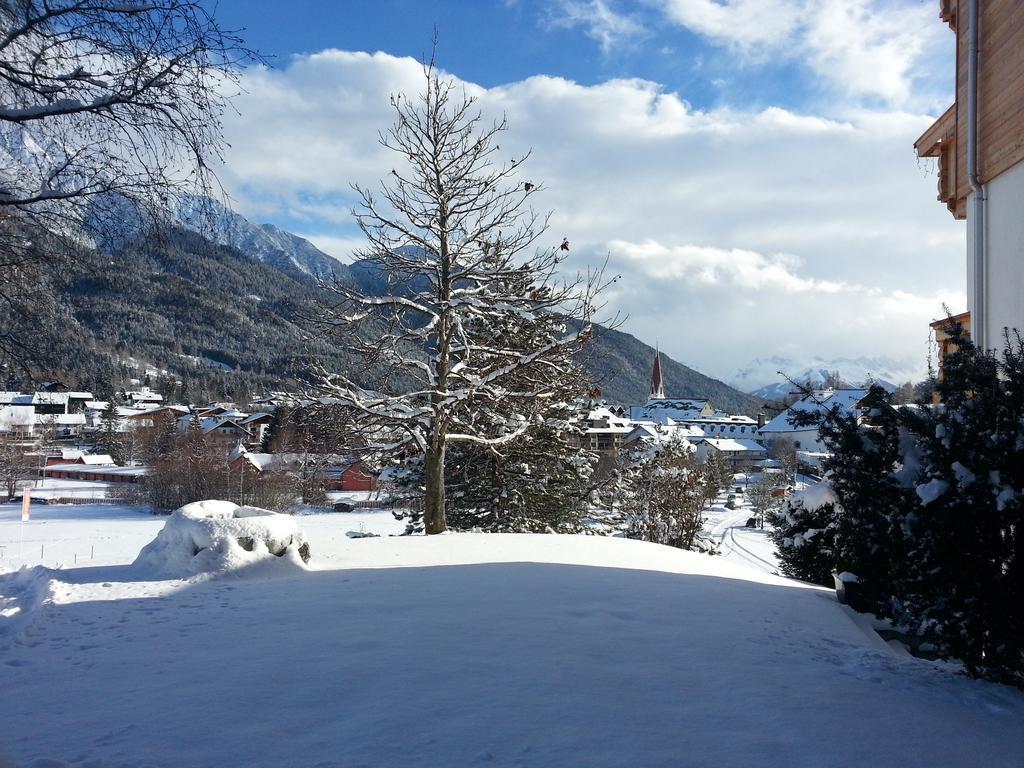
(433, 503)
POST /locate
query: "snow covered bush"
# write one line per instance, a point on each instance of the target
(927, 510)
(965, 530)
(803, 531)
(663, 493)
(187, 467)
(218, 536)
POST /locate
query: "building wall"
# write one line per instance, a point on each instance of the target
(804, 440)
(1004, 230)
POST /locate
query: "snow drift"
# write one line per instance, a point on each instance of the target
(219, 537)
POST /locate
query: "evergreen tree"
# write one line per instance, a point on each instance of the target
(719, 472)
(537, 484)
(803, 531)
(108, 438)
(965, 559)
(861, 471)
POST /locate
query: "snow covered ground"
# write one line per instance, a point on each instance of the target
(460, 650)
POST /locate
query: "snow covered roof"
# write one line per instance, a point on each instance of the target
(720, 417)
(658, 433)
(821, 402)
(63, 419)
(15, 398)
(660, 409)
(144, 395)
(731, 445)
(147, 411)
(611, 429)
(217, 422)
(96, 459)
(252, 418)
(17, 416)
(50, 398)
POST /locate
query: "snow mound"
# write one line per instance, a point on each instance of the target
(22, 592)
(221, 537)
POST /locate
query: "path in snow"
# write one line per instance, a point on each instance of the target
(737, 543)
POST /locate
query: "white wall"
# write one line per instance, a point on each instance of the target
(1004, 230)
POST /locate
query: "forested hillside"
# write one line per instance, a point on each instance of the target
(229, 325)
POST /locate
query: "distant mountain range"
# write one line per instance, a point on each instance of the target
(762, 377)
(263, 242)
(215, 302)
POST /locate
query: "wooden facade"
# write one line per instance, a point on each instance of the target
(943, 330)
(1000, 100)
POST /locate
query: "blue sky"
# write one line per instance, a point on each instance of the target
(739, 162)
(494, 42)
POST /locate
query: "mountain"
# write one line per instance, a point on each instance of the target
(223, 318)
(263, 242)
(761, 377)
(621, 367)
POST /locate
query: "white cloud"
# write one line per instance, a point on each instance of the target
(746, 23)
(598, 20)
(737, 233)
(341, 248)
(861, 48)
(731, 306)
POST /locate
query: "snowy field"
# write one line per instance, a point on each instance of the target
(458, 650)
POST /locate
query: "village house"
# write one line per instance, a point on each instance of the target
(144, 397)
(806, 437)
(604, 430)
(740, 454)
(105, 473)
(338, 473)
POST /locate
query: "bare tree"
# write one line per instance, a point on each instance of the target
(664, 493)
(106, 108)
(101, 96)
(17, 466)
(766, 496)
(783, 451)
(475, 312)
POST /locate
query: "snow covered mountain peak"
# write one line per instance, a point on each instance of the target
(762, 377)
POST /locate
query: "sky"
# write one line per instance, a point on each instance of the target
(746, 166)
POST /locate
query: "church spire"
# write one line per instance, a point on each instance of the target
(657, 383)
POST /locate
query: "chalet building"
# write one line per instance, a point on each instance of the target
(257, 424)
(806, 437)
(144, 397)
(133, 418)
(338, 473)
(604, 431)
(739, 454)
(724, 425)
(353, 476)
(979, 144)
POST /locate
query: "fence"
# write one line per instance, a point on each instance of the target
(64, 500)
